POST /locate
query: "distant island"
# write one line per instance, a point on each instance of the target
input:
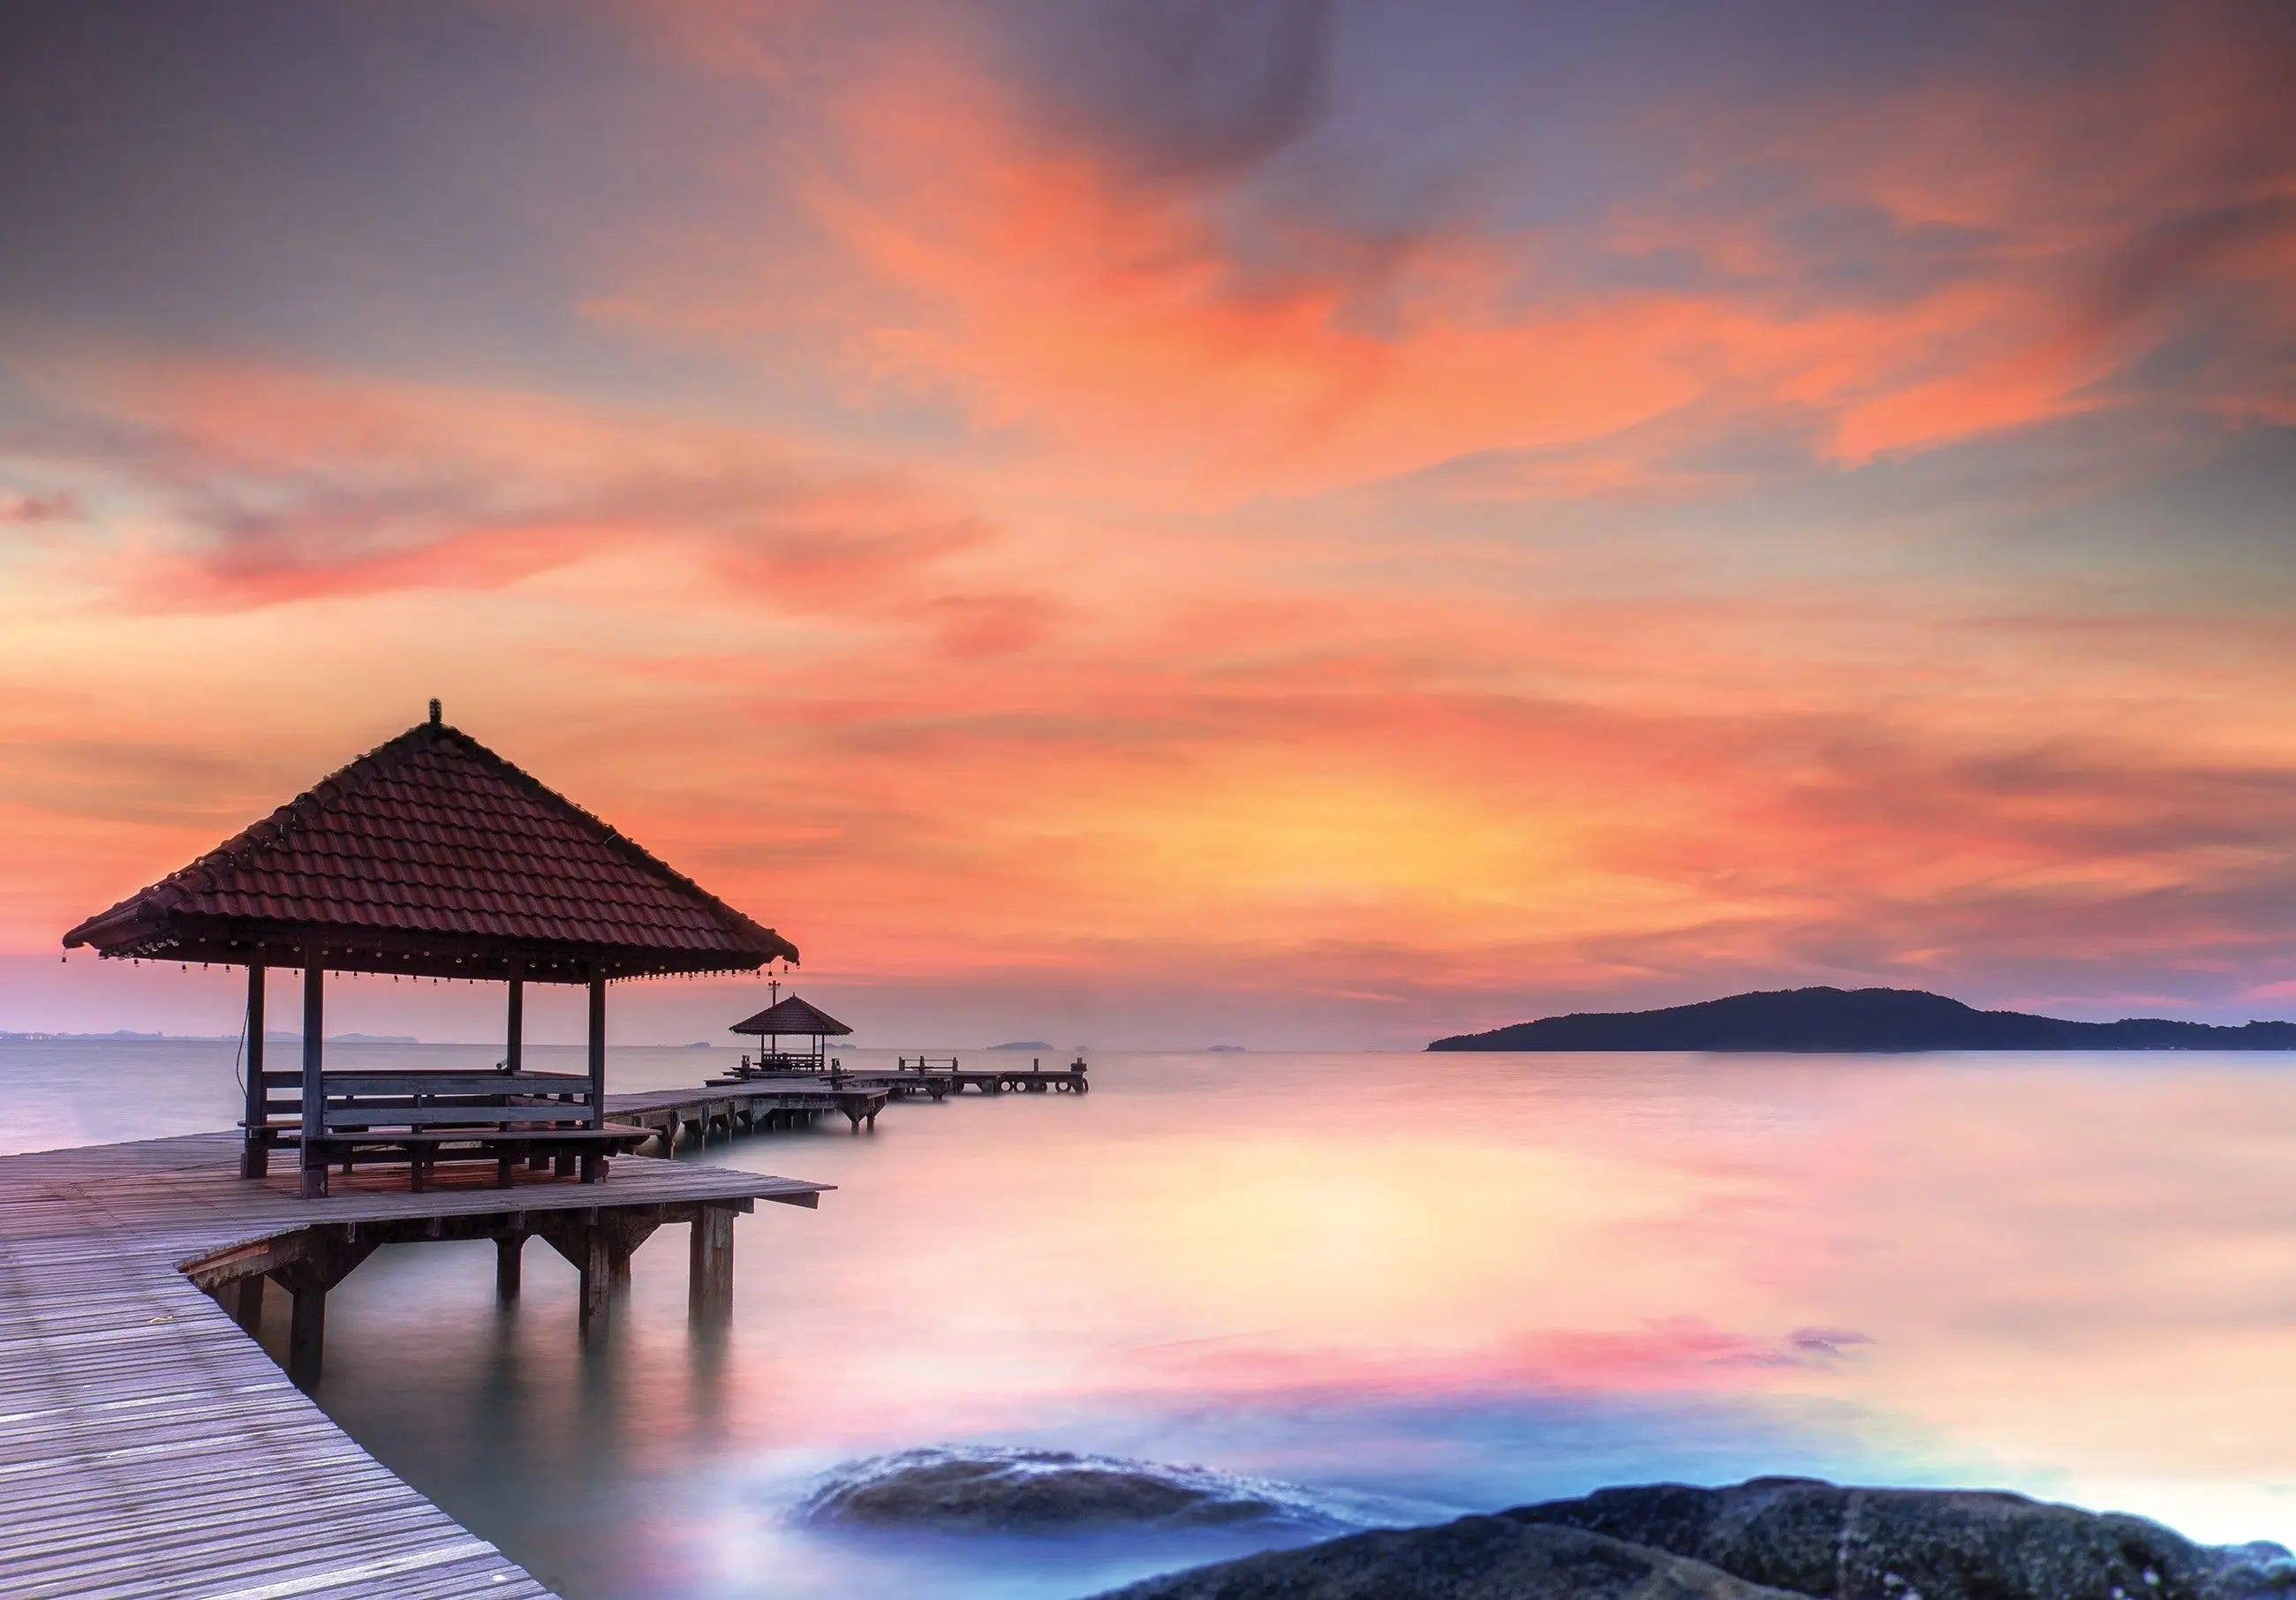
(1836, 1019)
(1021, 1045)
(1223, 1049)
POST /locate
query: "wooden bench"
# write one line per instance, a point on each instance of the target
(423, 1118)
(571, 1152)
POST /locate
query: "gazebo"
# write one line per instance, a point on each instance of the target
(432, 856)
(788, 1018)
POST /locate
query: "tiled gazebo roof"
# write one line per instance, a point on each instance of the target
(432, 855)
(790, 1016)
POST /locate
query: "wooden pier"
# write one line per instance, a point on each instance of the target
(149, 1447)
(935, 1081)
(728, 1106)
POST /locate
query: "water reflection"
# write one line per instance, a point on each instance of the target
(1469, 1281)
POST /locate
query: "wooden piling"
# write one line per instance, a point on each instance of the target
(510, 1255)
(246, 1302)
(306, 1336)
(709, 1286)
(326, 1261)
(594, 1305)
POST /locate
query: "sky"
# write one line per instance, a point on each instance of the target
(1174, 521)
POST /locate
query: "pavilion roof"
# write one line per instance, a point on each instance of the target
(791, 1015)
(431, 855)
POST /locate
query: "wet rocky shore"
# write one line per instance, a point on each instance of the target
(1772, 1538)
(1769, 1538)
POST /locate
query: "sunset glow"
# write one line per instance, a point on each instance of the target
(1292, 525)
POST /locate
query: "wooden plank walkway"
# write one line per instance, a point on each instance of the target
(151, 1450)
(936, 1082)
(731, 1106)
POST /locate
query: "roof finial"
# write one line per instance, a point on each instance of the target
(434, 711)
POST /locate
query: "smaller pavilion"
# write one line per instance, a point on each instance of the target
(788, 1018)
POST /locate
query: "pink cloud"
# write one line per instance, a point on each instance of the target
(1065, 559)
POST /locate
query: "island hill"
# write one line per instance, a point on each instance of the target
(1837, 1020)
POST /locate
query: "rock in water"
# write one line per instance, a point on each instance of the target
(1899, 1544)
(983, 1489)
(1474, 1558)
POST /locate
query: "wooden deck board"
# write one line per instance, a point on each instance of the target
(151, 1450)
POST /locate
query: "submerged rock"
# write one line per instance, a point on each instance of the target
(960, 1488)
(1474, 1558)
(1899, 1544)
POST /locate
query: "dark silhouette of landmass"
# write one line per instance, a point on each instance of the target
(1837, 1020)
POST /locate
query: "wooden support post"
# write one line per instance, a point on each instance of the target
(307, 1336)
(314, 1088)
(327, 1262)
(597, 1051)
(255, 1150)
(510, 1253)
(601, 1253)
(514, 1048)
(709, 1288)
(247, 1302)
(596, 1296)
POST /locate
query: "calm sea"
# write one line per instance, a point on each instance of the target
(1471, 1281)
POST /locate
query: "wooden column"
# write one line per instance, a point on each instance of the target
(255, 1149)
(597, 1051)
(246, 1298)
(510, 1253)
(593, 1257)
(709, 1287)
(306, 1336)
(314, 1088)
(328, 1262)
(514, 1050)
(600, 1251)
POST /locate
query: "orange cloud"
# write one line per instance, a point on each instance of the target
(1132, 323)
(1039, 559)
